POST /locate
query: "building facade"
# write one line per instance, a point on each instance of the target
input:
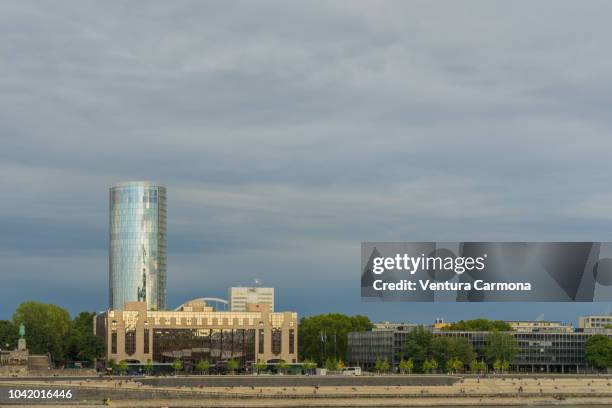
(539, 351)
(198, 332)
(536, 326)
(137, 245)
(240, 297)
(595, 322)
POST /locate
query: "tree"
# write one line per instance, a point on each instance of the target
(406, 366)
(478, 366)
(8, 335)
(282, 366)
(341, 364)
(309, 365)
(232, 366)
(148, 367)
(260, 366)
(325, 336)
(122, 367)
(418, 347)
(480, 324)
(331, 364)
(203, 366)
(505, 366)
(500, 346)
(382, 366)
(497, 365)
(598, 351)
(430, 365)
(445, 349)
(47, 327)
(453, 365)
(81, 343)
(177, 365)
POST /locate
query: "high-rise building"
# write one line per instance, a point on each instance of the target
(137, 245)
(239, 297)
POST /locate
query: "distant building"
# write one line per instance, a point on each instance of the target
(137, 245)
(392, 326)
(537, 326)
(547, 351)
(239, 297)
(198, 332)
(595, 322)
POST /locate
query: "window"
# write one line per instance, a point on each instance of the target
(114, 342)
(130, 342)
(276, 341)
(291, 341)
(261, 341)
(146, 341)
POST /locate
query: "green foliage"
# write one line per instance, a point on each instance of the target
(480, 325)
(430, 365)
(203, 366)
(500, 346)
(418, 347)
(453, 365)
(232, 365)
(177, 365)
(478, 366)
(382, 366)
(325, 336)
(598, 351)
(309, 365)
(260, 366)
(122, 367)
(445, 349)
(148, 367)
(282, 366)
(331, 364)
(47, 327)
(81, 343)
(9, 333)
(406, 366)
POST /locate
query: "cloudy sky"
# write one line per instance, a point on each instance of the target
(289, 132)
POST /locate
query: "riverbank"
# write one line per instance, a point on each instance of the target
(467, 391)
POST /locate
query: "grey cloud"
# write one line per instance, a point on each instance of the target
(289, 132)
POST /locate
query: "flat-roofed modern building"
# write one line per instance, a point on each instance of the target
(137, 245)
(239, 297)
(540, 352)
(595, 322)
(197, 332)
(538, 326)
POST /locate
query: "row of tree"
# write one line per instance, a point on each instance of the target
(49, 329)
(425, 352)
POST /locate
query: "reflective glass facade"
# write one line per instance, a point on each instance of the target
(137, 245)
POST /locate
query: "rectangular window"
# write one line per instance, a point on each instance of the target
(114, 342)
(261, 341)
(130, 342)
(276, 341)
(146, 341)
(291, 341)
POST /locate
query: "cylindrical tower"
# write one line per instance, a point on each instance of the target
(137, 245)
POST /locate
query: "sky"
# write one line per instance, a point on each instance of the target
(287, 133)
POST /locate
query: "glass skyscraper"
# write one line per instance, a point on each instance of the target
(137, 245)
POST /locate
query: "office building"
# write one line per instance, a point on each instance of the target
(595, 322)
(239, 297)
(544, 351)
(137, 245)
(196, 331)
(539, 326)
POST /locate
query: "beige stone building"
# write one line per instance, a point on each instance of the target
(196, 332)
